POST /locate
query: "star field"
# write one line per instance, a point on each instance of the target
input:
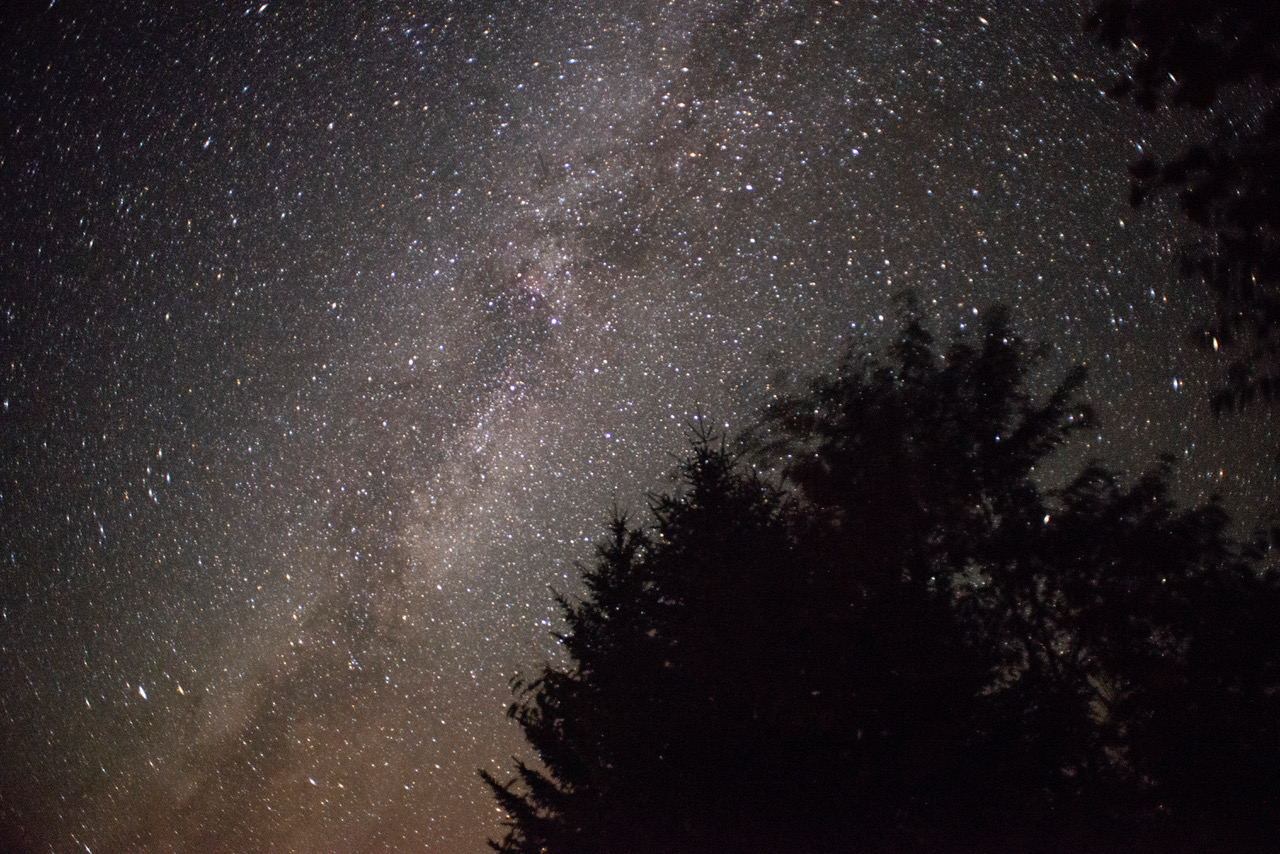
(330, 334)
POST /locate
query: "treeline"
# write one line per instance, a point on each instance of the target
(901, 640)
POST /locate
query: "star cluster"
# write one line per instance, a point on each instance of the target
(330, 333)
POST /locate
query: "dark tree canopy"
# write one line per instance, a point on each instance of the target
(910, 644)
(1222, 55)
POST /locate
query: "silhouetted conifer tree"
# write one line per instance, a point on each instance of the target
(908, 643)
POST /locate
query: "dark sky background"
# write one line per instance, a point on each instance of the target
(329, 333)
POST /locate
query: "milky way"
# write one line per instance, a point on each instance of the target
(330, 335)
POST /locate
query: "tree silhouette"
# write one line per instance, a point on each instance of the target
(910, 644)
(1224, 56)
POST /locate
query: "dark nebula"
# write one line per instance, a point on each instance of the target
(331, 332)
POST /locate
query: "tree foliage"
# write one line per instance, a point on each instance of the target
(1224, 56)
(910, 644)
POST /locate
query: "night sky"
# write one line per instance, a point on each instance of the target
(330, 333)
